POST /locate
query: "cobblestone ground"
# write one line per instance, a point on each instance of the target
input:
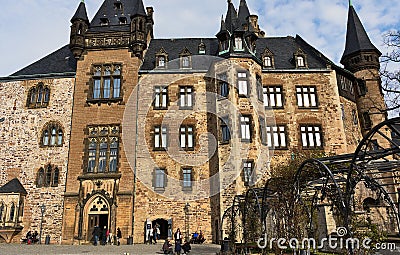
(137, 249)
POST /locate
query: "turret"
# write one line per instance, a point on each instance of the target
(362, 58)
(80, 24)
(140, 22)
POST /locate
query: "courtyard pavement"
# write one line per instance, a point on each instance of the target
(137, 249)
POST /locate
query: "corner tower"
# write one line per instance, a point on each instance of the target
(361, 57)
(80, 24)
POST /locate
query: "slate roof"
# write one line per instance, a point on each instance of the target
(356, 37)
(243, 14)
(61, 61)
(80, 13)
(108, 11)
(283, 49)
(13, 186)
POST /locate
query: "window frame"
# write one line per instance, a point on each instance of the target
(248, 128)
(248, 178)
(187, 134)
(160, 96)
(281, 135)
(225, 130)
(161, 138)
(243, 79)
(186, 95)
(160, 172)
(48, 136)
(307, 93)
(106, 77)
(313, 133)
(98, 135)
(184, 174)
(222, 82)
(48, 176)
(267, 94)
(38, 96)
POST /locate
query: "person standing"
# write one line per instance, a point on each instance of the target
(119, 236)
(178, 236)
(104, 236)
(158, 231)
(151, 232)
(178, 247)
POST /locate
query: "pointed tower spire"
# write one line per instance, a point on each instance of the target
(244, 13)
(139, 10)
(357, 39)
(223, 25)
(231, 17)
(80, 13)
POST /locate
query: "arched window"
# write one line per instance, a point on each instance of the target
(56, 176)
(52, 135)
(48, 175)
(80, 29)
(38, 96)
(40, 178)
(12, 212)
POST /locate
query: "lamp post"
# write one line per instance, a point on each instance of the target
(42, 210)
(186, 209)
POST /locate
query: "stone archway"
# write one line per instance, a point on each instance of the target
(96, 213)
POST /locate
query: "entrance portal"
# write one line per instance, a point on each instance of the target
(163, 225)
(97, 216)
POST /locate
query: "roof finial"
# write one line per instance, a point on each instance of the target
(83, 1)
(350, 3)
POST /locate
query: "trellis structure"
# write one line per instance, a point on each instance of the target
(348, 184)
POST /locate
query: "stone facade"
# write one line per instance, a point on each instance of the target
(23, 154)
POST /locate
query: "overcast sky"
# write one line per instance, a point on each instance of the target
(31, 29)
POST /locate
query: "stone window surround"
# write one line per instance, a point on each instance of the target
(161, 95)
(112, 76)
(282, 135)
(188, 131)
(314, 133)
(163, 133)
(312, 96)
(246, 128)
(48, 176)
(49, 127)
(278, 95)
(113, 135)
(33, 99)
(186, 171)
(185, 94)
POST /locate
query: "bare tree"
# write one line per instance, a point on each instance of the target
(390, 72)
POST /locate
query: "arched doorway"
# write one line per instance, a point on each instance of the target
(163, 225)
(97, 215)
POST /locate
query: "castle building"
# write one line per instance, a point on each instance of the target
(121, 129)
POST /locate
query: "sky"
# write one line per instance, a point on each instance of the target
(31, 29)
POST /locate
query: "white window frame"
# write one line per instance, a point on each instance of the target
(273, 97)
(276, 137)
(306, 96)
(245, 128)
(311, 136)
(186, 97)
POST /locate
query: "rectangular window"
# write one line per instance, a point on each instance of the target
(186, 97)
(160, 137)
(159, 182)
(311, 137)
(185, 61)
(225, 132)
(103, 148)
(238, 43)
(367, 120)
(267, 61)
(259, 88)
(187, 178)
(276, 137)
(306, 96)
(263, 134)
(223, 86)
(106, 82)
(187, 137)
(245, 128)
(160, 97)
(247, 173)
(243, 84)
(273, 96)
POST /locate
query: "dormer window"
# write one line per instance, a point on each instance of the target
(161, 61)
(185, 61)
(104, 22)
(202, 48)
(118, 5)
(186, 58)
(238, 43)
(161, 58)
(267, 61)
(300, 59)
(123, 20)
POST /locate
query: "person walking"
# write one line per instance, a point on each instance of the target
(155, 234)
(119, 236)
(104, 236)
(96, 233)
(151, 233)
(178, 247)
